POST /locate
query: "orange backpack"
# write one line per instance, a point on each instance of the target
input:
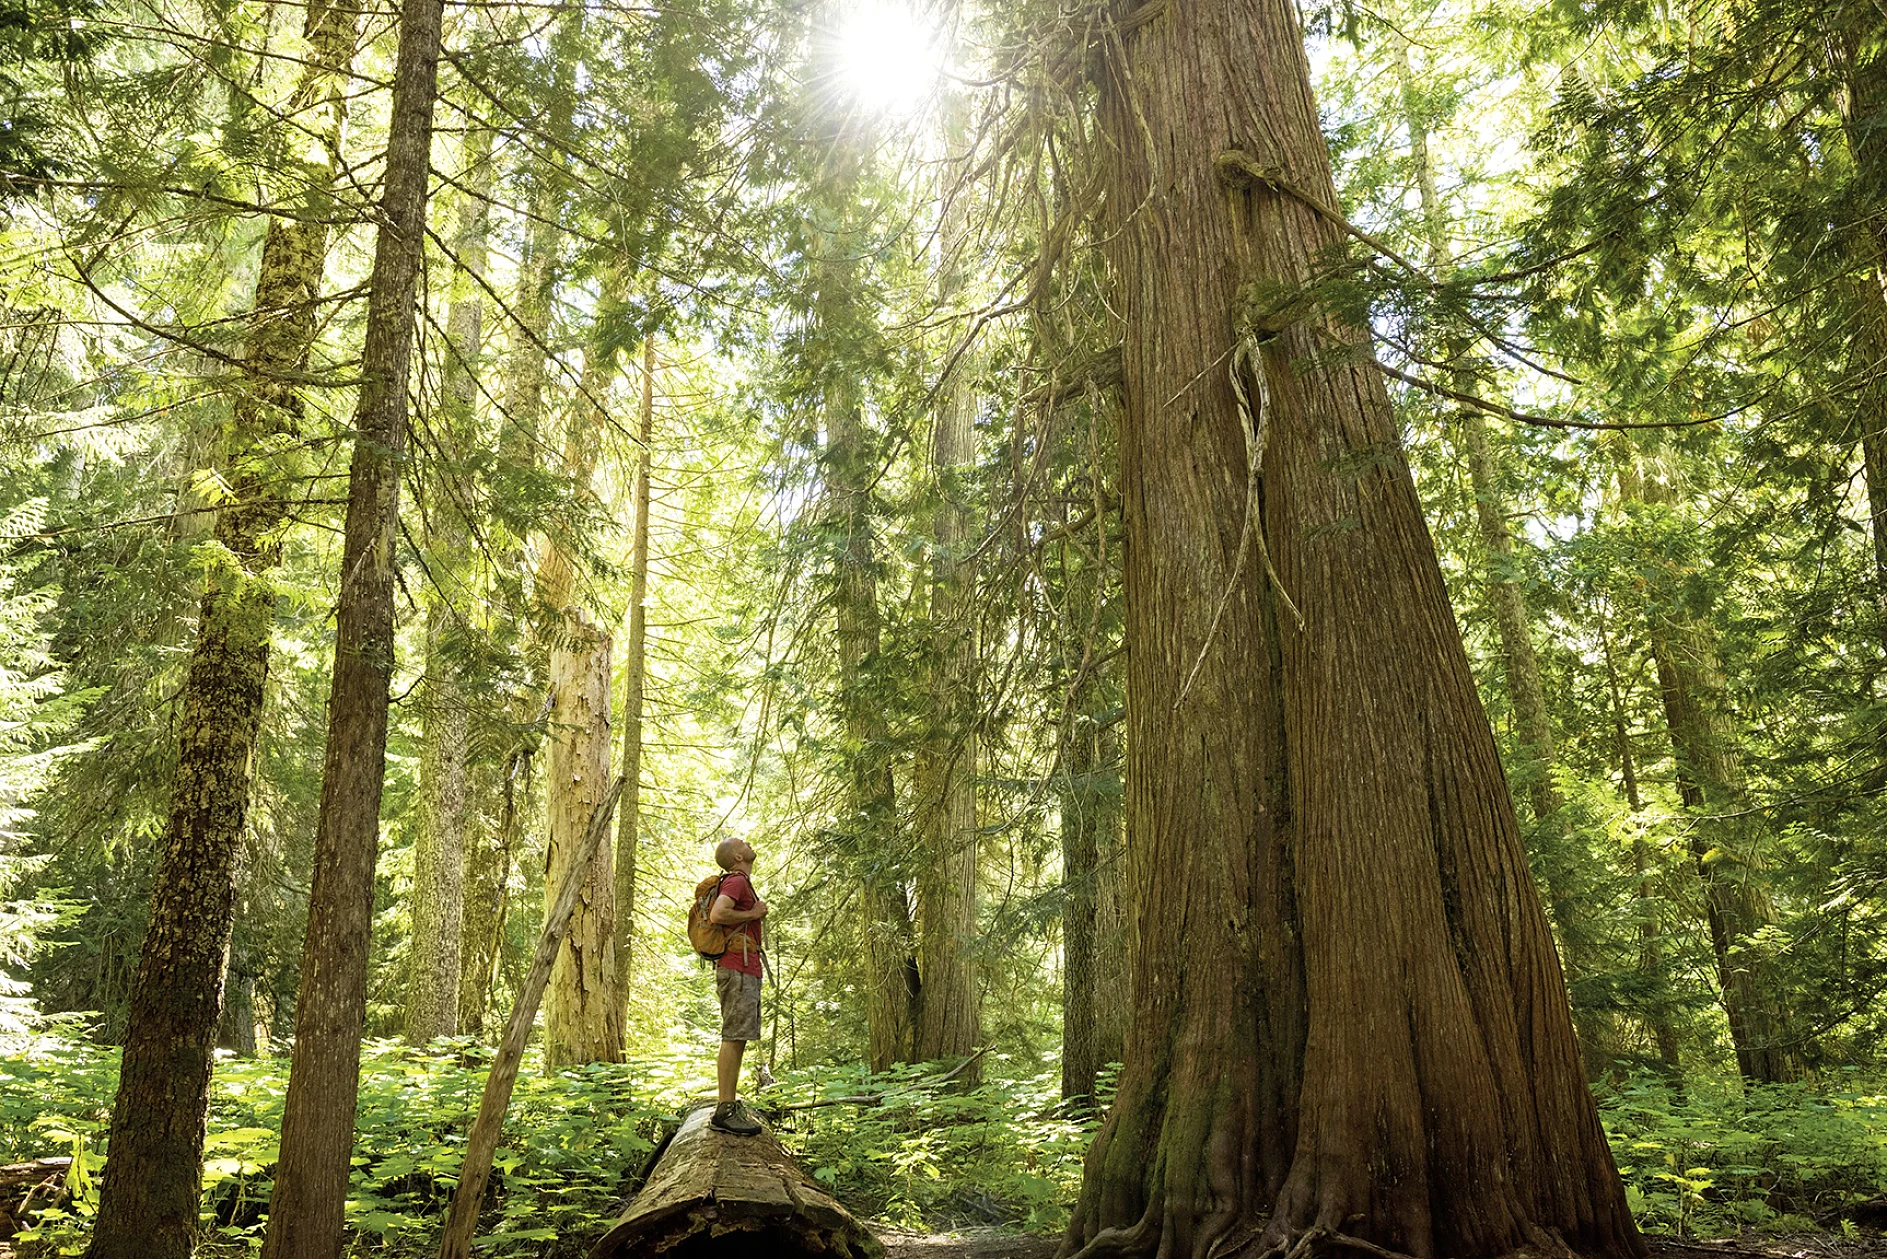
(709, 939)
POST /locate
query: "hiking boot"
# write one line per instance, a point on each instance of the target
(732, 1117)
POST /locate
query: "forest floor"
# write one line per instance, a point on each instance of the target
(992, 1243)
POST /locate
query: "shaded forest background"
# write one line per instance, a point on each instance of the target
(762, 445)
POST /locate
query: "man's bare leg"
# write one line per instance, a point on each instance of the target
(727, 1069)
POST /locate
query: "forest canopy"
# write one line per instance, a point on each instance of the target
(1291, 599)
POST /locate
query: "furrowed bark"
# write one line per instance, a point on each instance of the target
(1347, 1015)
(306, 1210)
(582, 1014)
(149, 1199)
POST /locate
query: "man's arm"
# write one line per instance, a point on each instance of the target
(724, 914)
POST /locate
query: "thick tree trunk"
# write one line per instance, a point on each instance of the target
(1347, 1015)
(149, 1199)
(582, 1017)
(949, 1014)
(306, 1211)
(635, 675)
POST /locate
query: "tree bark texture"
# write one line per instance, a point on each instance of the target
(582, 1014)
(949, 1013)
(148, 1201)
(1347, 1020)
(635, 675)
(306, 1211)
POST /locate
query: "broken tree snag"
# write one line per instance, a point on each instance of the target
(716, 1194)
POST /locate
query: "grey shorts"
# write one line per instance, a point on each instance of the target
(740, 1004)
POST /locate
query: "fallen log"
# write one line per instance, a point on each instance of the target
(23, 1186)
(713, 1193)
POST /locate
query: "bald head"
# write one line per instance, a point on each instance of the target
(730, 853)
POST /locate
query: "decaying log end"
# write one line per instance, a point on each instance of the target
(714, 1194)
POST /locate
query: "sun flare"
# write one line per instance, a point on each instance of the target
(889, 57)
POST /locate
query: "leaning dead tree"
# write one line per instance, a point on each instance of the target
(712, 1193)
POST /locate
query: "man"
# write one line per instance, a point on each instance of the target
(736, 979)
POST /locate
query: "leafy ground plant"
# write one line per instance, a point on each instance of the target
(1717, 1157)
(1002, 1151)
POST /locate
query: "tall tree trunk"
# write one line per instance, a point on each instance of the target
(438, 896)
(149, 1199)
(635, 674)
(1089, 791)
(582, 1014)
(1506, 598)
(1859, 57)
(306, 1211)
(949, 1011)
(439, 859)
(1347, 1015)
(1651, 966)
(890, 962)
(1723, 843)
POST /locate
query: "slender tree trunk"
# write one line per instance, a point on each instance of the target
(1859, 57)
(306, 1210)
(1506, 598)
(149, 1199)
(488, 896)
(438, 898)
(890, 963)
(1723, 843)
(582, 1014)
(1089, 792)
(635, 674)
(949, 1008)
(440, 853)
(1347, 1015)
(1650, 939)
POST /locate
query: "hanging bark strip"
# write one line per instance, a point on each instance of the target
(481, 1143)
(306, 1211)
(148, 1203)
(1349, 1032)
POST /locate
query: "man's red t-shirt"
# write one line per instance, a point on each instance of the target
(739, 888)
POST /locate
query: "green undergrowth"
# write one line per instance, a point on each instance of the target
(573, 1144)
(1717, 1158)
